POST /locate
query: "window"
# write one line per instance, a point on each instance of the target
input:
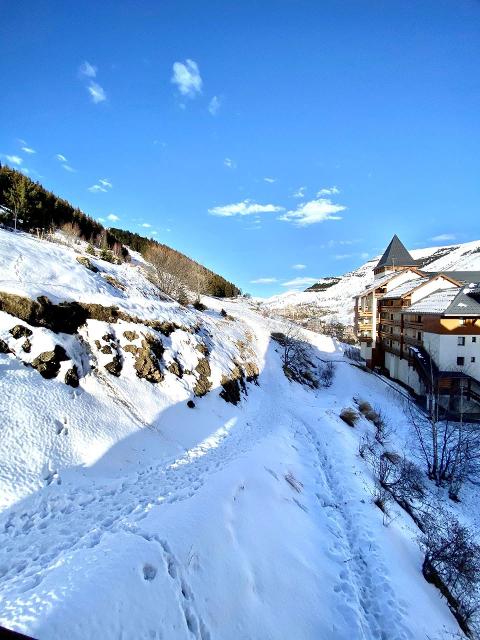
(472, 359)
(461, 321)
(474, 339)
(419, 335)
(461, 341)
(460, 361)
(419, 319)
(391, 316)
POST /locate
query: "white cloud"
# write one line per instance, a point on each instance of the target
(228, 162)
(145, 225)
(14, 160)
(341, 243)
(299, 266)
(343, 256)
(87, 69)
(245, 208)
(102, 185)
(96, 92)
(28, 150)
(313, 212)
(329, 191)
(270, 180)
(154, 233)
(68, 168)
(214, 105)
(263, 281)
(60, 157)
(187, 78)
(112, 217)
(299, 193)
(443, 237)
(300, 283)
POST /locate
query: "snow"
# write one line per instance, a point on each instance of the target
(336, 302)
(126, 514)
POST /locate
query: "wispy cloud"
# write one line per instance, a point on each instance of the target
(145, 225)
(68, 168)
(245, 208)
(263, 281)
(97, 93)
(186, 76)
(443, 237)
(103, 185)
(214, 105)
(28, 150)
(313, 212)
(299, 193)
(340, 243)
(13, 159)
(344, 256)
(300, 283)
(87, 69)
(270, 180)
(60, 157)
(112, 217)
(299, 266)
(228, 162)
(328, 191)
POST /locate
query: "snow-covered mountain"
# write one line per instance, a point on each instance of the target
(160, 476)
(336, 302)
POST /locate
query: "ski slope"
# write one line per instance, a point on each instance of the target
(126, 514)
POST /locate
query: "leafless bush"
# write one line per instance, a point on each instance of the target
(168, 274)
(327, 374)
(452, 563)
(450, 450)
(353, 353)
(350, 416)
(296, 360)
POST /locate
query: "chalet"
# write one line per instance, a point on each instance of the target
(422, 328)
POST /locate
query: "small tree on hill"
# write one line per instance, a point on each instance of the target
(16, 196)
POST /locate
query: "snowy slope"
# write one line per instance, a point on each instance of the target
(337, 301)
(124, 513)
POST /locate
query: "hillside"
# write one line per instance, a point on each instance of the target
(27, 205)
(160, 476)
(335, 304)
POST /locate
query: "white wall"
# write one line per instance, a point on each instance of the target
(444, 350)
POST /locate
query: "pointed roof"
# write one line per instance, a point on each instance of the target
(396, 255)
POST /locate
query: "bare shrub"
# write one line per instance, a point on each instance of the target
(353, 353)
(327, 374)
(296, 361)
(363, 406)
(452, 563)
(167, 273)
(349, 416)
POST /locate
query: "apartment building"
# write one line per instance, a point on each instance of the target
(423, 328)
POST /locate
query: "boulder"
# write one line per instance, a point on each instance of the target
(203, 384)
(27, 346)
(106, 349)
(131, 348)
(115, 366)
(71, 377)
(20, 331)
(176, 368)
(84, 261)
(130, 335)
(4, 347)
(48, 363)
(147, 362)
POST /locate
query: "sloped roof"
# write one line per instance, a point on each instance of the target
(461, 276)
(466, 303)
(404, 288)
(435, 303)
(396, 255)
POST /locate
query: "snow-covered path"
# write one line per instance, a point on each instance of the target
(263, 529)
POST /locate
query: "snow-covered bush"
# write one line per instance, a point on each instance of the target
(327, 374)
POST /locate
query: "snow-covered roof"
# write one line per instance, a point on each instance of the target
(437, 302)
(466, 302)
(379, 282)
(405, 288)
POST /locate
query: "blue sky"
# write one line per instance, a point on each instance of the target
(270, 141)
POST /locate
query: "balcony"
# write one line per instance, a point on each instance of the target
(410, 340)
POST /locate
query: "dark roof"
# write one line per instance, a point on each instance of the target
(461, 276)
(465, 303)
(396, 255)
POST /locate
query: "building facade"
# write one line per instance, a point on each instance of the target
(423, 329)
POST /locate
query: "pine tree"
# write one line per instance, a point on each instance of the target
(16, 196)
